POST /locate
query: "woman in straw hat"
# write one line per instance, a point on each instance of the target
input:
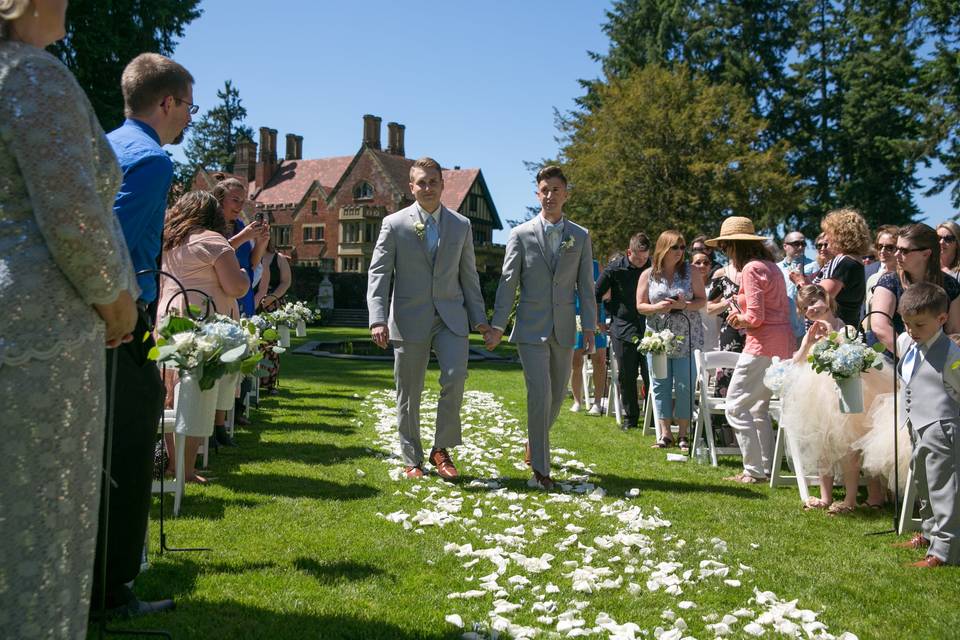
(763, 310)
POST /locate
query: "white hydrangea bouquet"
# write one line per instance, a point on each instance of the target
(660, 342)
(775, 375)
(660, 345)
(206, 350)
(845, 358)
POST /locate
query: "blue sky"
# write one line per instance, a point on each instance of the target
(475, 83)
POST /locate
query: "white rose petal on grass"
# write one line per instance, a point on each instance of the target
(361, 473)
(732, 583)
(754, 629)
(455, 620)
(686, 604)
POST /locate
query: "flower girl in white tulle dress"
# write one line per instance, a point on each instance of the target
(820, 435)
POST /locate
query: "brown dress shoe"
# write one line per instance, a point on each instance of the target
(440, 459)
(413, 472)
(526, 455)
(930, 562)
(916, 542)
(546, 482)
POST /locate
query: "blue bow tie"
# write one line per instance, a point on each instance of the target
(552, 229)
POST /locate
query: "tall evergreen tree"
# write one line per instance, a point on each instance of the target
(104, 35)
(669, 149)
(213, 137)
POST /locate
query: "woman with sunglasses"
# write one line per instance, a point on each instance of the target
(671, 293)
(886, 246)
(918, 260)
(949, 234)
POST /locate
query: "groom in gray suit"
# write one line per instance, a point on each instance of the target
(426, 250)
(549, 258)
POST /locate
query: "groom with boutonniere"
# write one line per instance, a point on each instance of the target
(550, 259)
(426, 250)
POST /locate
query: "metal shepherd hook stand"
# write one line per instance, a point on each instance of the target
(896, 454)
(102, 628)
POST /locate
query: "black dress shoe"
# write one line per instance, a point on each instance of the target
(222, 437)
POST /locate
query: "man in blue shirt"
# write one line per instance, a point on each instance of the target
(794, 245)
(158, 103)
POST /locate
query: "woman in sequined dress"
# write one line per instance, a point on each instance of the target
(66, 288)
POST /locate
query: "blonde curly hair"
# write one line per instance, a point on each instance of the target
(10, 10)
(847, 230)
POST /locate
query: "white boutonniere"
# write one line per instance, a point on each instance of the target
(421, 229)
(567, 244)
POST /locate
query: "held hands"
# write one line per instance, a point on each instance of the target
(589, 342)
(492, 338)
(679, 303)
(380, 335)
(735, 321)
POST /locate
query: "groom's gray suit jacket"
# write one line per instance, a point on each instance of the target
(450, 285)
(547, 285)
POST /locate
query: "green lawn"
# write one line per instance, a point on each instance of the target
(301, 547)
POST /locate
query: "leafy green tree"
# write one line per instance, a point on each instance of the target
(668, 148)
(213, 138)
(104, 35)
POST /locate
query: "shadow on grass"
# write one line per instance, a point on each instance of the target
(197, 505)
(309, 452)
(337, 571)
(298, 487)
(229, 619)
(618, 485)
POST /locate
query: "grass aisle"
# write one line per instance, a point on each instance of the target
(310, 541)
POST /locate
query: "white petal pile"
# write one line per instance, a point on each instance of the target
(516, 537)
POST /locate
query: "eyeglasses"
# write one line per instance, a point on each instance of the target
(193, 108)
(868, 258)
(678, 247)
(822, 245)
(906, 250)
(947, 239)
(798, 243)
(886, 247)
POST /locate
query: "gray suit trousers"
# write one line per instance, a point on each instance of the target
(546, 370)
(936, 464)
(410, 360)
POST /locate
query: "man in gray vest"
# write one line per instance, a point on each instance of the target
(426, 250)
(549, 258)
(930, 406)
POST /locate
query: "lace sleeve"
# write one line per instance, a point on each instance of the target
(70, 174)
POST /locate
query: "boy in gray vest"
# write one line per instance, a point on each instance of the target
(930, 405)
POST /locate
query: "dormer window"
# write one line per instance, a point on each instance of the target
(363, 191)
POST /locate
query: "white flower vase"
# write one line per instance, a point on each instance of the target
(301, 328)
(851, 394)
(659, 365)
(284, 332)
(195, 408)
(227, 391)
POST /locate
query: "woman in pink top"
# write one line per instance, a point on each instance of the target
(763, 311)
(197, 254)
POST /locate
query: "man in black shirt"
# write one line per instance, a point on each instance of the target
(626, 325)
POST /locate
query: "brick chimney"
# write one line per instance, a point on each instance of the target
(267, 162)
(294, 147)
(395, 139)
(245, 162)
(371, 131)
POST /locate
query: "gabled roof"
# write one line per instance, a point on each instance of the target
(294, 177)
(456, 186)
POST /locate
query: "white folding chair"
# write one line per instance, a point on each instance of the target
(613, 391)
(710, 405)
(906, 522)
(176, 485)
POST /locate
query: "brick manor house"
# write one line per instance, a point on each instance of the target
(326, 212)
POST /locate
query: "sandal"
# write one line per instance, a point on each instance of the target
(815, 503)
(665, 442)
(840, 508)
(744, 478)
(684, 444)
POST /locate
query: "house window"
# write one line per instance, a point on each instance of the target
(479, 237)
(280, 235)
(372, 229)
(313, 207)
(363, 191)
(327, 264)
(313, 233)
(351, 232)
(350, 264)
